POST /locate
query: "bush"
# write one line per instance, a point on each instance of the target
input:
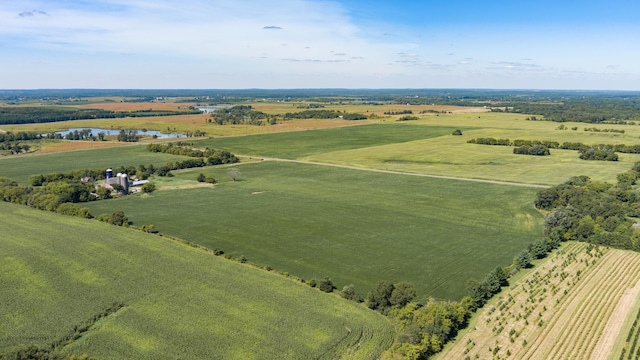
(73, 210)
(457, 132)
(201, 178)
(349, 292)
(118, 218)
(148, 188)
(326, 285)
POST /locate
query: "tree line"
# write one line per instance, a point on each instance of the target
(241, 114)
(214, 156)
(588, 109)
(324, 114)
(42, 114)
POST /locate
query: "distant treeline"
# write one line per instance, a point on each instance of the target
(241, 114)
(590, 152)
(214, 156)
(19, 136)
(603, 109)
(41, 114)
(324, 114)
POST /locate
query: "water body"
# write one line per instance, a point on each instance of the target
(212, 108)
(110, 132)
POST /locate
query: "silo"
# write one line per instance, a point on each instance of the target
(109, 174)
(124, 181)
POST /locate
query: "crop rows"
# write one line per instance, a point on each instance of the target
(631, 349)
(559, 311)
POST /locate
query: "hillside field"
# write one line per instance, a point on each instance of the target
(571, 306)
(357, 227)
(58, 272)
(20, 168)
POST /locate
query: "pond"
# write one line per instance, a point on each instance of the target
(111, 132)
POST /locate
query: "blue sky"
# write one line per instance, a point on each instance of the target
(319, 44)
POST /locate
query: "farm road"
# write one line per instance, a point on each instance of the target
(399, 172)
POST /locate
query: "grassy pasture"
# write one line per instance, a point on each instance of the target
(452, 156)
(571, 306)
(426, 146)
(56, 272)
(355, 226)
(21, 167)
(295, 145)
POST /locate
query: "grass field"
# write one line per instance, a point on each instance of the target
(179, 302)
(295, 145)
(572, 306)
(355, 226)
(426, 146)
(21, 167)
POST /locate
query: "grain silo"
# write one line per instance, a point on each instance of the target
(123, 180)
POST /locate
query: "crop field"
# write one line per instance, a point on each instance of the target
(572, 306)
(21, 167)
(58, 273)
(295, 145)
(427, 147)
(357, 227)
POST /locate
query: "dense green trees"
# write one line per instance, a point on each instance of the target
(241, 114)
(598, 153)
(537, 150)
(586, 210)
(128, 136)
(45, 114)
(386, 294)
(324, 114)
(213, 156)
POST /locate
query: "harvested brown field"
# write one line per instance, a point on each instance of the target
(572, 306)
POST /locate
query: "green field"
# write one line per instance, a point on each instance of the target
(355, 226)
(179, 302)
(20, 168)
(426, 146)
(299, 144)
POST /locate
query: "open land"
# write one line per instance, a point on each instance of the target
(58, 272)
(312, 221)
(356, 227)
(572, 306)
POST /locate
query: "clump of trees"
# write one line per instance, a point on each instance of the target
(424, 329)
(214, 156)
(128, 136)
(595, 129)
(490, 141)
(407, 118)
(241, 114)
(324, 114)
(386, 294)
(600, 213)
(537, 150)
(598, 153)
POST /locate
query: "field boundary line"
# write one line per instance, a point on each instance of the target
(496, 182)
(612, 328)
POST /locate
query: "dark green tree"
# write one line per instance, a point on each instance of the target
(326, 285)
(379, 296)
(402, 293)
